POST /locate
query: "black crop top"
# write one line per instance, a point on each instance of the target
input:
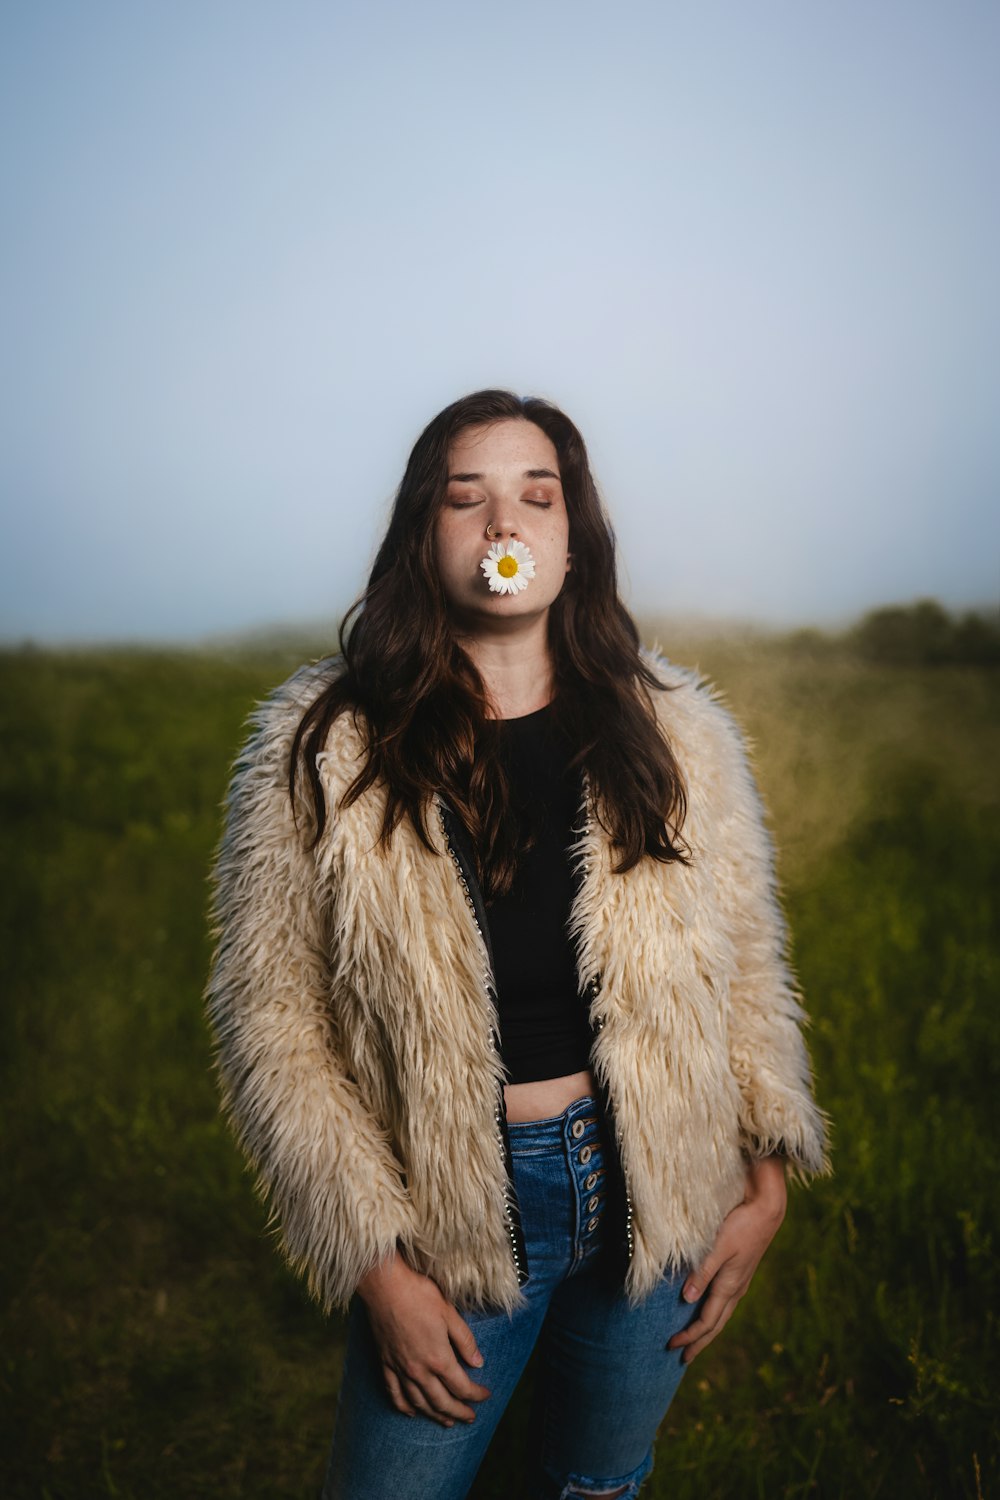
(544, 1030)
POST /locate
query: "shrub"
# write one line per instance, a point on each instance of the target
(926, 635)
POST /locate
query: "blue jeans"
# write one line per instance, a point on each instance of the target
(606, 1376)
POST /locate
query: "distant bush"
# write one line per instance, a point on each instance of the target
(926, 635)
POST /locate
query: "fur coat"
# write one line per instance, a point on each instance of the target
(351, 1004)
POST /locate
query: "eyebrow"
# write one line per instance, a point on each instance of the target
(528, 474)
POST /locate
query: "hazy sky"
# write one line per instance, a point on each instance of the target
(249, 249)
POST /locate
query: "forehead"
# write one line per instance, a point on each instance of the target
(515, 443)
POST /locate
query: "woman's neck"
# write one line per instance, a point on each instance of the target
(516, 669)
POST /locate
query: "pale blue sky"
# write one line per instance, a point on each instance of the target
(249, 249)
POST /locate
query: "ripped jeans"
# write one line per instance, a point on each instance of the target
(606, 1376)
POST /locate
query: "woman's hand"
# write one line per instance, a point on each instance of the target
(418, 1333)
(726, 1272)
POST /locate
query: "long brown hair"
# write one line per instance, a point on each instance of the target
(421, 704)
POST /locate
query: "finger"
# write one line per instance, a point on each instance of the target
(464, 1340)
(461, 1385)
(415, 1394)
(396, 1396)
(456, 1379)
(711, 1311)
(696, 1284)
(718, 1258)
(440, 1400)
(705, 1335)
(692, 1352)
(444, 1399)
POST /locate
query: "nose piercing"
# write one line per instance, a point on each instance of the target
(490, 532)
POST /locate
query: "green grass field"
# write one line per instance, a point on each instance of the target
(152, 1344)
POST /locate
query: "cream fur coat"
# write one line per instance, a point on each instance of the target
(350, 1003)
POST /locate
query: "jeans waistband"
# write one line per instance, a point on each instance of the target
(552, 1134)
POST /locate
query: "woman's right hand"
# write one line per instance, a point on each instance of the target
(419, 1335)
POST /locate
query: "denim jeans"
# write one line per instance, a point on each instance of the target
(606, 1376)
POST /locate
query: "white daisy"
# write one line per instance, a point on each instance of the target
(508, 566)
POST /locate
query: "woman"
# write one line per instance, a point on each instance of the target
(502, 1011)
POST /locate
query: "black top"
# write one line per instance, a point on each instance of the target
(544, 1029)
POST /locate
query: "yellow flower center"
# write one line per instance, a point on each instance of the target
(507, 566)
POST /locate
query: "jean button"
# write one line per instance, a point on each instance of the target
(593, 1203)
(585, 1152)
(577, 1128)
(592, 1225)
(591, 1182)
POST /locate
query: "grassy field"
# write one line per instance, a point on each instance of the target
(152, 1344)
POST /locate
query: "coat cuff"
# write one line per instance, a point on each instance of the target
(793, 1128)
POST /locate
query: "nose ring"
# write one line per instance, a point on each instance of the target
(490, 532)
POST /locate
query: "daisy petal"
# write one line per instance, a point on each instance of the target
(507, 567)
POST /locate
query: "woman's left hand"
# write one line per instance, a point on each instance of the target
(728, 1268)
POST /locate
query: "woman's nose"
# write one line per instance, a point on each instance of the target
(500, 530)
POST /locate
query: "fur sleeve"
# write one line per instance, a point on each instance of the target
(324, 1163)
(767, 1052)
